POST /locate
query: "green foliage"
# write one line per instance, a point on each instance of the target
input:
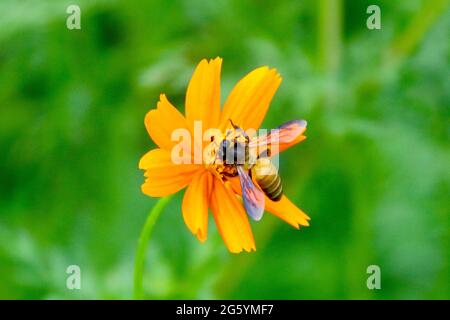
(373, 173)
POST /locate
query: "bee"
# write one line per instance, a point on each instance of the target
(257, 174)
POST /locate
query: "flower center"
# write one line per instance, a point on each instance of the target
(226, 151)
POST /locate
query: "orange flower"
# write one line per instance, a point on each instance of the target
(246, 106)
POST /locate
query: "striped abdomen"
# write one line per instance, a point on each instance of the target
(266, 175)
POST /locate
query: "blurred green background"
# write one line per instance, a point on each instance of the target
(373, 174)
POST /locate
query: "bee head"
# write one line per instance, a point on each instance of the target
(226, 146)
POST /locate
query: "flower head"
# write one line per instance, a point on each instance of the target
(210, 184)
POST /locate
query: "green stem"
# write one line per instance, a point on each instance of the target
(330, 43)
(330, 25)
(146, 232)
(417, 29)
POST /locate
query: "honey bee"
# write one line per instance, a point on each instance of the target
(257, 174)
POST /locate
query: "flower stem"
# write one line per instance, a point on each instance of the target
(146, 232)
(416, 29)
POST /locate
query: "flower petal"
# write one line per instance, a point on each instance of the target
(249, 100)
(289, 212)
(283, 146)
(231, 219)
(163, 176)
(195, 204)
(283, 209)
(161, 122)
(203, 94)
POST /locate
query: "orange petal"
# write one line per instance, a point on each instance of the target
(283, 146)
(249, 100)
(283, 209)
(235, 185)
(163, 176)
(286, 210)
(161, 122)
(203, 94)
(195, 204)
(231, 219)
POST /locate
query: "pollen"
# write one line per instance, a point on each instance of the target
(214, 163)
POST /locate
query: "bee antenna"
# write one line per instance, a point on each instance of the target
(231, 121)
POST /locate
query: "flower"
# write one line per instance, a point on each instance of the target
(246, 106)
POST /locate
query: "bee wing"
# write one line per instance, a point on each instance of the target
(252, 195)
(285, 133)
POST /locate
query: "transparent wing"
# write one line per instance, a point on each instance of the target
(285, 133)
(253, 197)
